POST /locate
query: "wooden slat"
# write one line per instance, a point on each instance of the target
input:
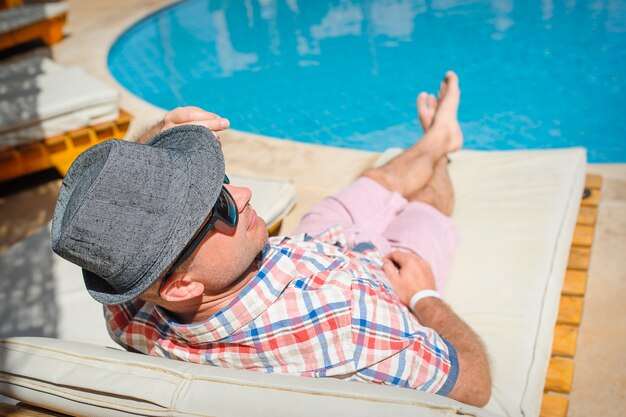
(579, 258)
(560, 375)
(561, 370)
(575, 282)
(4, 4)
(570, 310)
(58, 151)
(554, 405)
(50, 31)
(593, 181)
(564, 342)
(274, 229)
(593, 200)
(587, 216)
(583, 235)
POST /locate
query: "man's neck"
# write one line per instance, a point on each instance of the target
(204, 307)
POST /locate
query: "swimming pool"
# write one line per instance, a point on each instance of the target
(539, 74)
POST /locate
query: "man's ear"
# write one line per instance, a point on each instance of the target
(182, 289)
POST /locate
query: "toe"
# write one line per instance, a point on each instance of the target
(452, 78)
(432, 102)
(422, 101)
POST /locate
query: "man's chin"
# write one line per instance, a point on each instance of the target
(265, 234)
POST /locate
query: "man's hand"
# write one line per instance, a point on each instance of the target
(195, 116)
(408, 274)
(413, 274)
(186, 116)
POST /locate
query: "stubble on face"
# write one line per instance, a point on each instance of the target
(225, 259)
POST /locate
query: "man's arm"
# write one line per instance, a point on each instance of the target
(409, 274)
(474, 381)
(185, 116)
(149, 133)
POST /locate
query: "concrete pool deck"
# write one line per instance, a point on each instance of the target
(598, 381)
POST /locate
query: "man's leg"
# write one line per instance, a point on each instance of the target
(367, 207)
(424, 226)
(438, 192)
(419, 228)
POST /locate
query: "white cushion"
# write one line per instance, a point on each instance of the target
(515, 212)
(90, 380)
(25, 68)
(271, 198)
(52, 103)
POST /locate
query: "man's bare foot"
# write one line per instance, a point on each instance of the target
(446, 114)
(410, 171)
(428, 106)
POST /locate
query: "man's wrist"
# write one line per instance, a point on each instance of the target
(420, 295)
(150, 132)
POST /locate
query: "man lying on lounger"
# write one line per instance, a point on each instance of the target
(186, 270)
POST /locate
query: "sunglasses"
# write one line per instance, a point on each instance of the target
(225, 210)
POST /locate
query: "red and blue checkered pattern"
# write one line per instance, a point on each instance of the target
(314, 309)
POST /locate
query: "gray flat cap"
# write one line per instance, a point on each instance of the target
(127, 210)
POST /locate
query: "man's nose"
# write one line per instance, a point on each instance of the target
(241, 195)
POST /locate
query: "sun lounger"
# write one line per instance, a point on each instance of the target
(44, 109)
(30, 22)
(51, 101)
(516, 213)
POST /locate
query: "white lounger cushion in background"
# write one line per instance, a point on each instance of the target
(21, 16)
(515, 212)
(271, 199)
(51, 103)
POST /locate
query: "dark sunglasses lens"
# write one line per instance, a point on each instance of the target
(226, 208)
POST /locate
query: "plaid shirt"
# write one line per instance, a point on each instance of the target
(313, 309)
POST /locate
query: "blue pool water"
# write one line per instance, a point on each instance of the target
(534, 74)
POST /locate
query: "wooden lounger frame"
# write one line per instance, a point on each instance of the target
(58, 151)
(5, 4)
(25, 410)
(50, 31)
(560, 373)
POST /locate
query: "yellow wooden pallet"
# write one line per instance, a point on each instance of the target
(58, 151)
(560, 373)
(50, 31)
